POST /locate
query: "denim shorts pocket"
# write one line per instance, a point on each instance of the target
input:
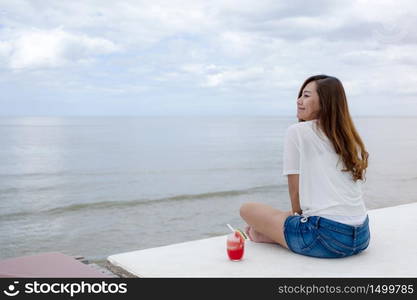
(332, 247)
(308, 237)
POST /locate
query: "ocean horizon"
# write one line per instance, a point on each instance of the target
(96, 186)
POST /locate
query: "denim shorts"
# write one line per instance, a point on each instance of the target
(320, 237)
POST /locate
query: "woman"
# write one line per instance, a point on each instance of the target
(325, 161)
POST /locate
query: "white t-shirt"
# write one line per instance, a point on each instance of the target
(324, 189)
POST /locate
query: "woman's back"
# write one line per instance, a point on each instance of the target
(324, 189)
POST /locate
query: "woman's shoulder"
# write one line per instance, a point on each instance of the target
(300, 125)
(307, 130)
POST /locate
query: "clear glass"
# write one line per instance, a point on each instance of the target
(235, 246)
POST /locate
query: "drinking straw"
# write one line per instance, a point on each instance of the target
(231, 228)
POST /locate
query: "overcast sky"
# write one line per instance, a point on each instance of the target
(203, 57)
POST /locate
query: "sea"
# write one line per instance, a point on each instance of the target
(97, 186)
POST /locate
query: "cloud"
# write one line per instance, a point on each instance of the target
(234, 76)
(53, 48)
(5, 49)
(220, 51)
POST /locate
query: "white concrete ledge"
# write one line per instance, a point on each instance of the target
(392, 253)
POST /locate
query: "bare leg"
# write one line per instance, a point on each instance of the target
(266, 224)
(257, 236)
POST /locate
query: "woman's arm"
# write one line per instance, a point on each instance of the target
(293, 188)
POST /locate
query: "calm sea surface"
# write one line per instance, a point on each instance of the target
(96, 186)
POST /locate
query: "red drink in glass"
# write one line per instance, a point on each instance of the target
(235, 246)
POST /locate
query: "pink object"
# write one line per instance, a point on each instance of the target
(49, 265)
(235, 246)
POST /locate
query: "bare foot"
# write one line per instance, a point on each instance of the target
(256, 236)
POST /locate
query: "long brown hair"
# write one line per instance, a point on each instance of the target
(335, 121)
